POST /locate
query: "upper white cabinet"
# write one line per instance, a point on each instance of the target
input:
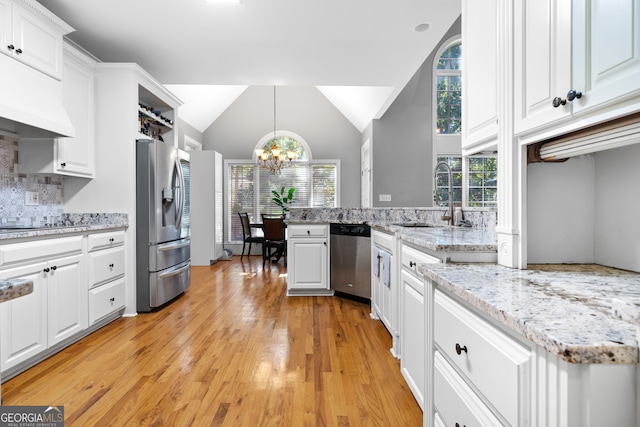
(575, 64)
(479, 75)
(32, 35)
(542, 55)
(74, 156)
(606, 52)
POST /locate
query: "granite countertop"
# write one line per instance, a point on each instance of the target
(70, 223)
(567, 310)
(14, 288)
(445, 238)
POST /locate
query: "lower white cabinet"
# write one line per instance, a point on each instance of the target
(308, 259)
(106, 299)
(106, 274)
(494, 364)
(385, 297)
(57, 308)
(412, 320)
(78, 282)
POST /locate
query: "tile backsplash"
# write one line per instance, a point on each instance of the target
(14, 185)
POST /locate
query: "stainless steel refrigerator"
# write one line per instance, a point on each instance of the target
(163, 244)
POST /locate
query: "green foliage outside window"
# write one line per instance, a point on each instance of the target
(449, 91)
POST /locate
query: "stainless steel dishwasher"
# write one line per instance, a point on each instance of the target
(350, 260)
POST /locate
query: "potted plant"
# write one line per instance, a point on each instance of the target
(282, 198)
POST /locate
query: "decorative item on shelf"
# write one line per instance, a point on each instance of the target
(274, 158)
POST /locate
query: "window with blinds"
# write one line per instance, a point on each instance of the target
(250, 190)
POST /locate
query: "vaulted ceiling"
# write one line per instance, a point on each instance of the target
(359, 53)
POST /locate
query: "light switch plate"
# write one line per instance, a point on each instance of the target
(385, 197)
(31, 198)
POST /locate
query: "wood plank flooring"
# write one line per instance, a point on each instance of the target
(234, 350)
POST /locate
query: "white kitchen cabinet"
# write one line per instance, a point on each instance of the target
(32, 35)
(308, 259)
(385, 300)
(606, 52)
(75, 156)
(489, 361)
(57, 308)
(542, 62)
(480, 73)
(412, 320)
(106, 256)
(68, 156)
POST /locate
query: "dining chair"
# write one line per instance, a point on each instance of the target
(247, 236)
(274, 238)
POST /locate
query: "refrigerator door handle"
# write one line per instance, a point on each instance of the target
(165, 248)
(173, 272)
(180, 189)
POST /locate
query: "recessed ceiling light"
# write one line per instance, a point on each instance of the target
(223, 1)
(422, 27)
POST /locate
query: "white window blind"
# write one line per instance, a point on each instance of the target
(250, 190)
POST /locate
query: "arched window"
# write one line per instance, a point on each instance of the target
(449, 90)
(250, 186)
(287, 141)
(475, 177)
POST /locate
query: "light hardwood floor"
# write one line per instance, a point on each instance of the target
(234, 350)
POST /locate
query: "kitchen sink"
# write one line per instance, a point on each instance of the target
(416, 225)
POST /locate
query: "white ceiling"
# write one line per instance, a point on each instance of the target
(360, 53)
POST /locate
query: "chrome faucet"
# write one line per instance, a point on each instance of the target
(449, 217)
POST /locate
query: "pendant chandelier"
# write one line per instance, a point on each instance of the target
(274, 159)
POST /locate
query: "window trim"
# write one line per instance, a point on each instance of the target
(443, 144)
(227, 186)
(270, 136)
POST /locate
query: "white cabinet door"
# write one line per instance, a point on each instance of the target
(6, 32)
(606, 52)
(67, 298)
(542, 38)
(74, 156)
(412, 363)
(308, 264)
(23, 321)
(36, 43)
(479, 74)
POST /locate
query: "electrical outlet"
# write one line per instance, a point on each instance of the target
(385, 197)
(31, 198)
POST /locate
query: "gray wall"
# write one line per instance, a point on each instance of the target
(185, 128)
(303, 110)
(402, 150)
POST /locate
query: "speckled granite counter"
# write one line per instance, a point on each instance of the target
(568, 312)
(14, 288)
(70, 223)
(441, 238)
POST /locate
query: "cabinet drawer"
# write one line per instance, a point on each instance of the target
(105, 265)
(384, 240)
(315, 230)
(411, 257)
(105, 240)
(45, 248)
(455, 403)
(106, 299)
(496, 364)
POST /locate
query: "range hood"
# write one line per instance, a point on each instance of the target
(31, 103)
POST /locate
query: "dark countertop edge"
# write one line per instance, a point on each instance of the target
(14, 288)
